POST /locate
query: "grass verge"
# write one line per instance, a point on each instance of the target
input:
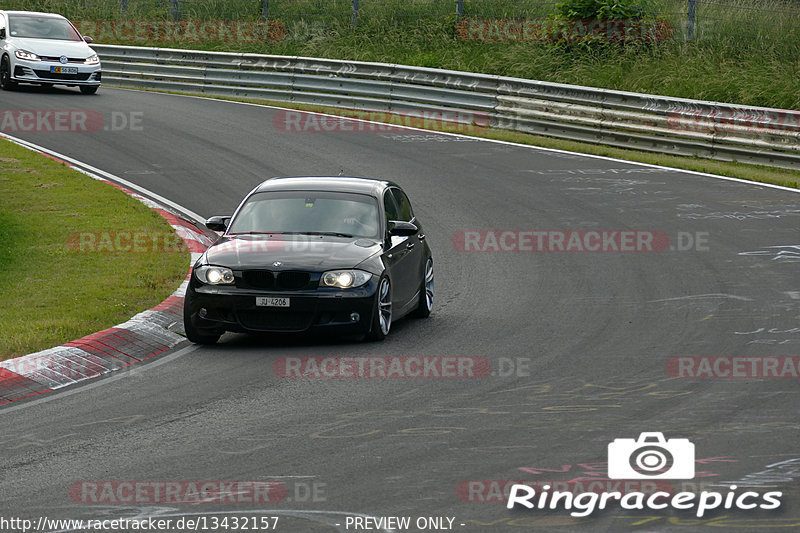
(757, 173)
(53, 292)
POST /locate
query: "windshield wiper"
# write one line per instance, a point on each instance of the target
(256, 233)
(328, 233)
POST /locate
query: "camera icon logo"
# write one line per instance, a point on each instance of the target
(651, 457)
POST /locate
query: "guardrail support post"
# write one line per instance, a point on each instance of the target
(175, 10)
(354, 19)
(690, 20)
(459, 9)
(124, 5)
(264, 9)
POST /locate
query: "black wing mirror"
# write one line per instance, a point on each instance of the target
(218, 223)
(2, 33)
(399, 228)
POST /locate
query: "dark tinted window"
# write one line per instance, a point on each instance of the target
(308, 211)
(392, 213)
(405, 211)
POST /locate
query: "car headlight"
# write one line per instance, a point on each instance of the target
(24, 54)
(344, 279)
(214, 275)
(92, 60)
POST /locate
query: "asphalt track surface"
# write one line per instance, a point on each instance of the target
(590, 335)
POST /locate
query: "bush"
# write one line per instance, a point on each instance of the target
(606, 9)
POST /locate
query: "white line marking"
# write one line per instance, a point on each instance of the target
(704, 296)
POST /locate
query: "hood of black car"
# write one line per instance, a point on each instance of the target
(290, 252)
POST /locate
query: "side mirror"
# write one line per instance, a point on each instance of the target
(88, 39)
(218, 223)
(399, 228)
(2, 33)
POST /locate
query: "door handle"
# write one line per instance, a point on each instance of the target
(421, 236)
(410, 245)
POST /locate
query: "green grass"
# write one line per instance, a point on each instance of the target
(51, 293)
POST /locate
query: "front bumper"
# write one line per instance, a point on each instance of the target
(234, 309)
(26, 71)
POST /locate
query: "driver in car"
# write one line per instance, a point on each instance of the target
(361, 220)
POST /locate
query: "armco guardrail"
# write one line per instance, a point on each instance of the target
(661, 124)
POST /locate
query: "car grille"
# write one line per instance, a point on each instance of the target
(257, 279)
(80, 76)
(58, 59)
(292, 281)
(275, 320)
(268, 280)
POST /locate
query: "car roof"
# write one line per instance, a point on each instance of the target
(372, 187)
(37, 13)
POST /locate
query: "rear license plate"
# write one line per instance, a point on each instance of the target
(64, 70)
(264, 301)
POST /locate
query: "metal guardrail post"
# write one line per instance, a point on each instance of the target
(124, 5)
(175, 10)
(264, 9)
(459, 9)
(690, 20)
(354, 19)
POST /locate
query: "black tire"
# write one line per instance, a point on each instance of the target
(89, 89)
(5, 75)
(198, 335)
(382, 315)
(425, 304)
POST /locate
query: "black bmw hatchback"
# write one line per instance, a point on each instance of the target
(312, 253)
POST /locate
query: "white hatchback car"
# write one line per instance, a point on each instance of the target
(46, 49)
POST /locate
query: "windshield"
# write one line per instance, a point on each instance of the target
(306, 212)
(42, 27)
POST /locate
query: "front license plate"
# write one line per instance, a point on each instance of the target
(64, 70)
(264, 301)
